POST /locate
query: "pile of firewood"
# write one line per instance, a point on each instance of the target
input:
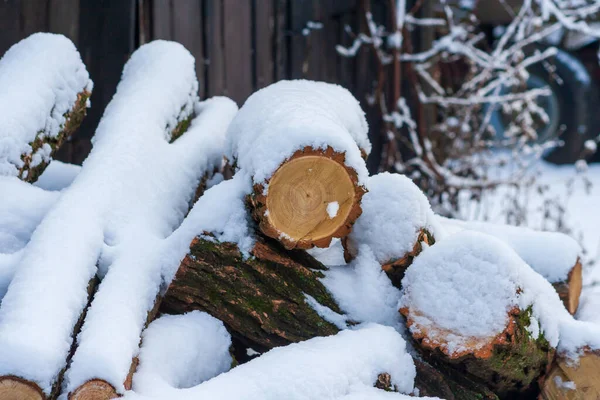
(259, 280)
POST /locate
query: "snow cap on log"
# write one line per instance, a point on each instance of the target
(317, 369)
(553, 255)
(45, 87)
(303, 144)
(550, 254)
(395, 213)
(181, 351)
(127, 176)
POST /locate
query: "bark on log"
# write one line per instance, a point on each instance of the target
(260, 299)
(573, 382)
(569, 291)
(311, 198)
(29, 172)
(508, 363)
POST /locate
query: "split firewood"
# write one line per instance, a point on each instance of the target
(491, 316)
(396, 222)
(129, 294)
(553, 255)
(573, 379)
(302, 143)
(41, 107)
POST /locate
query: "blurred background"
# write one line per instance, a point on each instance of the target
(476, 101)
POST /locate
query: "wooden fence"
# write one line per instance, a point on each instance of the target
(239, 45)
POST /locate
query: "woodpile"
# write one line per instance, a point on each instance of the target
(153, 227)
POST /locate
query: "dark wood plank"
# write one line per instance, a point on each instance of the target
(281, 39)
(34, 17)
(63, 18)
(237, 34)
(300, 12)
(188, 30)
(9, 21)
(215, 48)
(162, 19)
(264, 42)
(346, 65)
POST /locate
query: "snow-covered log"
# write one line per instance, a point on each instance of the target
(473, 304)
(303, 144)
(130, 173)
(127, 299)
(325, 368)
(44, 97)
(396, 220)
(553, 255)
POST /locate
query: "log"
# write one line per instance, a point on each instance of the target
(507, 354)
(31, 171)
(95, 389)
(262, 299)
(15, 388)
(303, 144)
(42, 107)
(570, 380)
(312, 197)
(569, 291)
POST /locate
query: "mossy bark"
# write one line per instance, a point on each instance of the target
(29, 172)
(261, 299)
(509, 365)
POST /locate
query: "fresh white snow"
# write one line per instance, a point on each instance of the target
(40, 78)
(181, 351)
(394, 210)
(287, 116)
(551, 254)
(57, 176)
(332, 209)
(322, 368)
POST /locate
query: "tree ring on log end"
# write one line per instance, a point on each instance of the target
(13, 388)
(95, 389)
(312, 197)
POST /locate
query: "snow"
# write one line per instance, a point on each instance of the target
(394, 210)
(135, 262)
(321, 368)
(33, 99)
(477, 280)
(339, 320)
(22, 207)
(181, 351)
(566, 385)
(125, 186)
(363, 290)
(57, 176)
(332, 209)
(551, 254)
(287, 116)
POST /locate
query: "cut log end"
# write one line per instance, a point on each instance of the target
(312, 198)
(96, 389)
(13, 388)
(573, 382)
(509, 362)
(570, 291)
